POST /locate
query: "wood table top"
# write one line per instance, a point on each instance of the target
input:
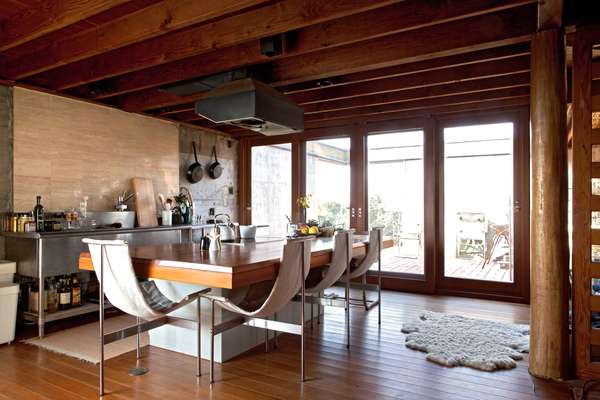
(235, 265)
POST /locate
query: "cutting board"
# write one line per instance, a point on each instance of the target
(145, 202)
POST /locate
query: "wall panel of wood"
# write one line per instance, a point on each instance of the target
(65, 149)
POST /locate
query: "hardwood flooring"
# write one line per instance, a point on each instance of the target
(377, 366)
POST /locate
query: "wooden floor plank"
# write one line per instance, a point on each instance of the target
(377, 366)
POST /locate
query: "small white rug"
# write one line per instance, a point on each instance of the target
(452, 340)
(82, 342)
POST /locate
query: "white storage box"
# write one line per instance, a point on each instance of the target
(9, 295)
(7, 271)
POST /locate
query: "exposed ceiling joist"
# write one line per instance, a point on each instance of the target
(462, 87)
(445, 109)
(496, 94)
(476, 33)
(410, 14)
(457, 37)
(146, 23)
(48, 16)
(497, 54)
(252, 25)
(418, 79)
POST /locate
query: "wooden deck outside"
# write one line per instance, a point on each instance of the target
(458, 268)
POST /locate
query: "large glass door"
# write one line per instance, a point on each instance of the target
(396, 198)
(328, 181)
(482, 236)
(271, 188)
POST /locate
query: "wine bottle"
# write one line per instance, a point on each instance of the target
(52, 296)
(64, 294)
(75, 291)
(38, 215)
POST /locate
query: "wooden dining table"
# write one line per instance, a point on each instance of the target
(235, 265)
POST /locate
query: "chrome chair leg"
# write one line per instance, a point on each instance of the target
(319, 310)
(379, 279)
(364, 292)
(138, 370)
(101, 308)
(348, 297)
(275, 343)
(302, 377)
(212, 341)
(266, 339)
(199, 339)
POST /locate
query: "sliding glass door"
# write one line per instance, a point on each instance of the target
(395, 198)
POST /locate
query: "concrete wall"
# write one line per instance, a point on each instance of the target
(6, 144)
(65, 149)
(222, 193)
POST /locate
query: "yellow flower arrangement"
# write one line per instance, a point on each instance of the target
(304, 201)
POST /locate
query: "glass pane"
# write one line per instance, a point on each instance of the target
(328, 181)
(478, 199)
(396, 197)
(272, 188)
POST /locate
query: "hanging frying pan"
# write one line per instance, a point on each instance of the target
(194, 172)
(215, 169)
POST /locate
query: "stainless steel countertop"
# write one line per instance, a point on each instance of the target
(98, 231)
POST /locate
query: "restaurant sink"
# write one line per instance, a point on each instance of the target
(102, 218)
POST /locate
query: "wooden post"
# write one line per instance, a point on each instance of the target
(549, 349)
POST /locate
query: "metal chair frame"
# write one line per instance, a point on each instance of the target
(107, 338)
(333, 300)
(263, 323)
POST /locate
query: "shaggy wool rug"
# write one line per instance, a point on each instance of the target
(452, 340)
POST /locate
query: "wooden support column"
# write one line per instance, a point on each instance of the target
(549, 349)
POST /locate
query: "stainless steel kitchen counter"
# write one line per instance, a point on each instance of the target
(99, 231)
(44, 254)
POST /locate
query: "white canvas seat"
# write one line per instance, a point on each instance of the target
(293, 269)
(117, 279)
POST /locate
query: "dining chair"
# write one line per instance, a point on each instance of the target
(143, 300)
(325, 277)
(360, 266)
(290, 280)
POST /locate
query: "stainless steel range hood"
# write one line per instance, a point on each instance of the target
(253, 105)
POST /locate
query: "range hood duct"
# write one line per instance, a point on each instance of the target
(253, 105)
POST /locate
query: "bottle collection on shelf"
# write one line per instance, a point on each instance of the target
(39, 220)
(60, 293)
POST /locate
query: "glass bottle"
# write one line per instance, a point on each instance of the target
(38, 214)
(52, 296)
(64, 294)
(75, 291)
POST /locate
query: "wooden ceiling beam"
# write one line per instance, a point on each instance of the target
(470, 34)
(48, 16)
(450, 89)
(550, 14)
(483, 105)
(500, 53)
(486, 69)
(497, 54)
(497, 94)
(149, 22)
(271, 19)
(409, 14)
(457, 37)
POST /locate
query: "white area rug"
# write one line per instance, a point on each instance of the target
(452, 340)
(82, 342)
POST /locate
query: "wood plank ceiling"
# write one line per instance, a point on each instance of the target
(342, 60)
